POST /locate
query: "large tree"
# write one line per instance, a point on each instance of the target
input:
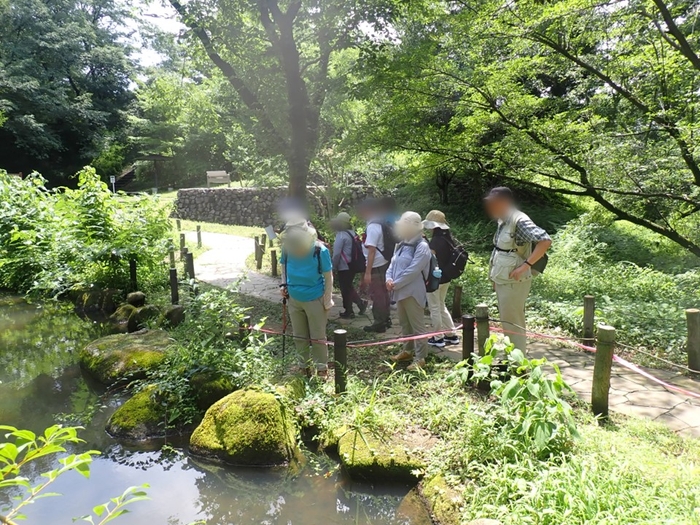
(64, 82)
(596, 99)
(277, 55)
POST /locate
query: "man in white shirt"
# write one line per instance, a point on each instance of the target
(376, 248)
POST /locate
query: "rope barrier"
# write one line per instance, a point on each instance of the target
(649, 354)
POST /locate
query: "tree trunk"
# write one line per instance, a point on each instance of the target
(298, 164)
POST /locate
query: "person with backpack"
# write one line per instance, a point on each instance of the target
(307, 285)
(519, 252)
(451, 259)
(378, 247)
(348, 261)
(407, 278)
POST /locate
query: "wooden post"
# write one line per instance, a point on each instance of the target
(244, 328)
(483, 331)
(692, 316)
(273, 260)
(602, 370)
(132, 275)
(258, 255)
(174, 292)
(199, 236)
(468, 322)
(179, 224)
(263, 242)
(457, 303)
(189, 257)
(588, 320)
(272, 243)
(183, 246)
(171, 254)
(340, 351)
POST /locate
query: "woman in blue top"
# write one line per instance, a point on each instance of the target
(308, 283)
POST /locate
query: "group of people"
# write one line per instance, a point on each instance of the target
(396, 262)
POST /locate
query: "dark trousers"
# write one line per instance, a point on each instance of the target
(346, 283)
(380, 296)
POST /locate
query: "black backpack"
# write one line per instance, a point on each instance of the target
(390, 241)
(459, 257)
(357, 262)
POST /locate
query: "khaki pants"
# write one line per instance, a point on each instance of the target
(511, 308)
(439, 314)
(309, 320)
(412, 321)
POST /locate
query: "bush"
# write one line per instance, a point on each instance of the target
(56, 240)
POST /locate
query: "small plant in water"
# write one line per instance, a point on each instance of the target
(21, 448)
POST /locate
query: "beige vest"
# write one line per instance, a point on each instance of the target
(509, 255)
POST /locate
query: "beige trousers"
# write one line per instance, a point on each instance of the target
(440, 316)
(309, 321)
(412, 320)
(511, 309)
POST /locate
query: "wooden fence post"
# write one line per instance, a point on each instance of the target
(133, 282)
(602, 370)
(199, 236)
(189, 257)
(263, 242)
(179, 224)
(273, 260)
(340, 351)
(171, 255)
(272, 243)
(183, 246)
(259, 251)
(588, 320)
(692, 316)
(483, 331)
(468, 322)
(457, 302)
(174, 291)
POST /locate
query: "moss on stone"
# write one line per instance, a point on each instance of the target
(141, 417)
(246, 428)
(124, 356)
(209, 387)
(443, 501)
(367, 458)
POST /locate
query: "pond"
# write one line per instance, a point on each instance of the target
(40, 384)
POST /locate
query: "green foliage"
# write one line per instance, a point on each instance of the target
(209, 347)
(56, 240)
(532, 408)
(21, 450)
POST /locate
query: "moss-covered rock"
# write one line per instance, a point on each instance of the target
(144, 315)
(120, 318)
(124, 356)
(209, 387)
(367, 458)
(137, 299)
(141, 417)
(443, 501)
(174, 315)
(246, 428)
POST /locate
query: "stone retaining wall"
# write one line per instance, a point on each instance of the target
(243, 206)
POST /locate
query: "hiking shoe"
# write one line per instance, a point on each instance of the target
(375, 328)
(347, 315)
(451, 340)
(437, 343)
(418, 364)
(363, 307)
(402, 356)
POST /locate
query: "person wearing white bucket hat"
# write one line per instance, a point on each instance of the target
(442, 245)
(307, 282)
(405, 278)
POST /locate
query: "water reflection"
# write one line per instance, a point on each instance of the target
(40, 382)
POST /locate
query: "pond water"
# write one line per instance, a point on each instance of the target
(40, 384)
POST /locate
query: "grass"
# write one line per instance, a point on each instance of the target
(240, 231)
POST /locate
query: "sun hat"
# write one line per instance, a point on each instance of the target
(409, 225)
(342, 218)
(500, 192)
(435, 219)
(297, 234)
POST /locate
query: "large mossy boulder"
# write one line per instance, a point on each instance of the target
(120, 357)
(142, 417)
(246, 428)
(209, 387)
(365, 457)
(444, 501)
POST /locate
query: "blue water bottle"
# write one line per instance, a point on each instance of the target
(437, 272)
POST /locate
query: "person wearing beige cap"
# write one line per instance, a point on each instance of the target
(405, 279)
(442, 245)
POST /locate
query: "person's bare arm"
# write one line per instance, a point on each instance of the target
(328, 290)
(371, 254)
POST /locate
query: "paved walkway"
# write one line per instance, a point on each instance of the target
(223, 265)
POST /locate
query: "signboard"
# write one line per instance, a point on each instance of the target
(270, 230)
(112, 179)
